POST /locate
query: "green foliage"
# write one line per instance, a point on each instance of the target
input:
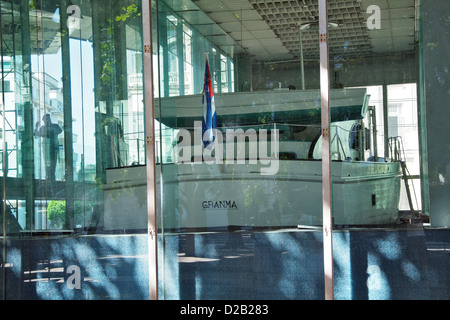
(129, 12)
(432, 45)
(56, 213)
(107, 46)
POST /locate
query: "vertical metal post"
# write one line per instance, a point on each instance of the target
(27, 140)
(4, 164)
(150, 150)
(180, 53)
(385, 121)
(375, 132)
(326, 151)
(67, 107)
(302, 61)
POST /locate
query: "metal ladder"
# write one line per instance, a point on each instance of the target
(397, 155)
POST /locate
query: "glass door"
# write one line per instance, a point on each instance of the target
(240, 168)
(375, 156)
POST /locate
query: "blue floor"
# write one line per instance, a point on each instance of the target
(407, 263)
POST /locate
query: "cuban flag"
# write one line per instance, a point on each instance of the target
(209, 123)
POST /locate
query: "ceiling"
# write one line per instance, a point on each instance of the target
(268, 29)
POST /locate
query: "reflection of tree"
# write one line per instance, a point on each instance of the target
(108, 46)
(289, 265)
(56, 212)
(109, 268)
(114, 26)
(130, 11)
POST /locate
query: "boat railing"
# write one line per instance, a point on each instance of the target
(396, 149)
(295, 138)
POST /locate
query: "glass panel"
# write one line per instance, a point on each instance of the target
(239, 217)
(72, 96)
(374, 47)
(403, 124)
(48, 115)
(378, 44)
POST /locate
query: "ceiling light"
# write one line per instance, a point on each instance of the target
(315, 25)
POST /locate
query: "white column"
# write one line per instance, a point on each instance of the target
(326, 159)
(150, 152)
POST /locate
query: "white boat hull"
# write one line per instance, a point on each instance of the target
(198, 196)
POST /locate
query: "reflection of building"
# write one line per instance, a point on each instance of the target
(402, 117)
(47, 99)
(401, 122)
(12, 123)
